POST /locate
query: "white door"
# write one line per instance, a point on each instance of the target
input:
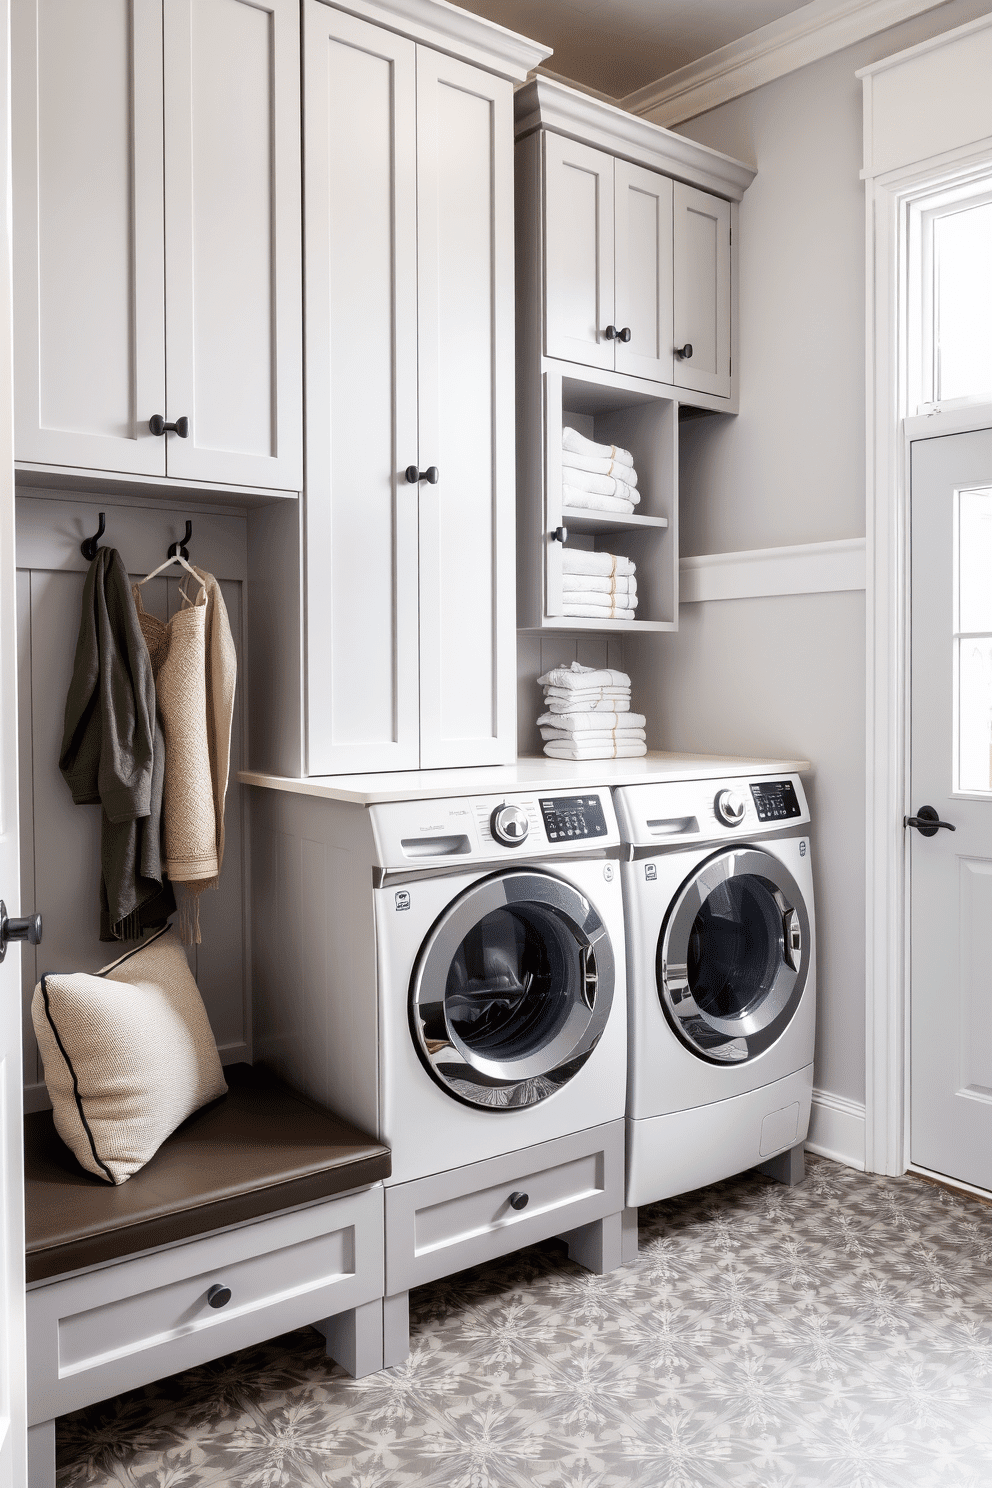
(951, 773)
(90, 308)
(360, 149)
(465, 275)
(578, 252)
(644, 346)
(13, 1410)
(702, 291)
(234, 317)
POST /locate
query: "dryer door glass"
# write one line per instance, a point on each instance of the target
(512, 990)
(733, 955)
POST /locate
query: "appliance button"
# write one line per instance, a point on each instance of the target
(730, 807)
(509, 824)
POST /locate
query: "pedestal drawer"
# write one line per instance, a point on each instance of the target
(106, 1330)
(441, 1224)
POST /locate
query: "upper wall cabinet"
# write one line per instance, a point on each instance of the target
(157, 260)
(625, 252)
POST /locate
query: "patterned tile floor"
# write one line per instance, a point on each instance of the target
(839, 1333)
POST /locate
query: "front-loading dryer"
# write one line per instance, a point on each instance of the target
(721, 974)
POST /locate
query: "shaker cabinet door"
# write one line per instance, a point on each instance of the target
(233, 254)
(361, 371)
(467, 591)
(702, 291)
(643, 272)
(578, 252)
(89, 306)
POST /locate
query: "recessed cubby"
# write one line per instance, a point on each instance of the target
(609, 410)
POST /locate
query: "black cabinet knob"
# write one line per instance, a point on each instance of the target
(519, 1200)
(684, 352)
(560, 534)
(611, 333)
(218, 1295)
(624, 335)
(158, 426)
(431, 475)
(28, 928)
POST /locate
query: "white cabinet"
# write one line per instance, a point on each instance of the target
(157, 254)
(702, 291)
(410, 640)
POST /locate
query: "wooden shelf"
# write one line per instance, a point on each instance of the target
(586, 622)
(582, 519)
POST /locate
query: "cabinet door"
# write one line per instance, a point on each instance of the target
(702, 290)
(467, 590)
(88, 236)
(233, 227)
(578, 252)
(361, 372)
(644, 272)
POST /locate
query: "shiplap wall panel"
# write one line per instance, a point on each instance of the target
(60, 853)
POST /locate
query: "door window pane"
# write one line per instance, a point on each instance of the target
(973, 640)
(963, 295)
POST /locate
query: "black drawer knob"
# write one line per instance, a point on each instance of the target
(218, 1295)
(431, 475)
(624, 335)
(560, 534)
(684, 352)
(519, 1200)
(158, 426)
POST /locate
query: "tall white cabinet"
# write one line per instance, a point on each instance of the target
(157, 240)
(409, 524)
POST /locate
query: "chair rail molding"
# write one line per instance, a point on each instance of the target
(950, 143)
(803, 36)
(806, 568)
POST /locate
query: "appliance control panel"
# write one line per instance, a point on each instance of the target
(775, 800)
(570, 818)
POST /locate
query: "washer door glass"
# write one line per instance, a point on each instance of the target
(733, 955)
(512, 990)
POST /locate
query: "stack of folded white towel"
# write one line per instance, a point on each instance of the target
(599, 585)
(599, 477)
(588, 715)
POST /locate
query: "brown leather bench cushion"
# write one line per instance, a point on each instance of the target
(261, 1148)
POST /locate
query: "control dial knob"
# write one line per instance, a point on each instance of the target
(730, 807)
(509, 824)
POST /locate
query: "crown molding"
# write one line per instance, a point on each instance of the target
(805, 35)
(544, 104)
(457, 32)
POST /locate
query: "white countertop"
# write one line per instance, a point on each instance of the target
(539, 773)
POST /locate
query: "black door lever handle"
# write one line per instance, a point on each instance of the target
(927, 822)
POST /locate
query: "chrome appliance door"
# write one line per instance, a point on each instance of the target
(734, 955)
(512, 990)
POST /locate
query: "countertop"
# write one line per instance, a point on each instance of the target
(539, 773)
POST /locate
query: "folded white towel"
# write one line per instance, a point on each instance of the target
(600, 485)
(619, 703)
(599, 467)
(581, 723)
(584, 561)
(572, 440)
(594, 597)
(573, 497)
(578, 678)
(581, 702)
(570, 749)
(596, 612)
(604, 736)
(597, 584)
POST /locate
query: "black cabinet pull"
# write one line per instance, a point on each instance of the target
(611, 333)
(624, 335)
(684, 352)
(28, 928)
(431, 475)
(218, 1295)
(519, 1200)
(158, 426)
(560, 534)
(927, 822)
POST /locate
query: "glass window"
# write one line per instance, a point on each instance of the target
(962, 303)
(973, 641)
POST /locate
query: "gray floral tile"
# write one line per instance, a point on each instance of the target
(836, 1335)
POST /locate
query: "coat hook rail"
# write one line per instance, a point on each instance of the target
(179, 549)
(90, 545)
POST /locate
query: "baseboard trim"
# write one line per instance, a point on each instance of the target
(760, 573)
(837, 1129)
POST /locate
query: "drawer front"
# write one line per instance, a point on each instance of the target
(438, 1225)
(128, 1324)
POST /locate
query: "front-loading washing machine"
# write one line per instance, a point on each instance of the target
(721, 973)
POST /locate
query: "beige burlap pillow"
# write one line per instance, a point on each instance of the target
(128, 1055)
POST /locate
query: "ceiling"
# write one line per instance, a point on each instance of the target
(617, 46)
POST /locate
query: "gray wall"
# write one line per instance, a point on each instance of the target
(786, 675)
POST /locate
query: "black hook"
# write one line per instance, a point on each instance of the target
(179, 549)
(89, 545)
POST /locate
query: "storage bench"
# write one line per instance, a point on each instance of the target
(262, 1213)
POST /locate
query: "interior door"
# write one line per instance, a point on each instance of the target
(13, 1410)
(702, 291)
(951, 773)
(644, 272)
(578, 252)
